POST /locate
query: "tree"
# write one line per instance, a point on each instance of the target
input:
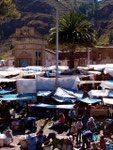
(7, 10)
(73, 32)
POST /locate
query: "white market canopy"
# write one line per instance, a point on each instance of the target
(107, 84)
(66, 93)
(108, 101)
(88, 82)
(98, 93)
(49, 83)
(60, 68)
(94, 72)
(100, 67)
(109, 71)
(9, 73)
(7, 80)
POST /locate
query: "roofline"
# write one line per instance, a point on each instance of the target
(50, 51)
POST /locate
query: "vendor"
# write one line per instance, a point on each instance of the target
(41, 138)
(86, 139)
(91, 125)
(59, 122)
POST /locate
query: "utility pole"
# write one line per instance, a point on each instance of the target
(88, 57)
(57, 42)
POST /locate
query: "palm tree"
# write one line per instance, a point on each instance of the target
(74, 32)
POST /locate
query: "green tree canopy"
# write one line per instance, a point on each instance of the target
(74, 32)
(7, 10)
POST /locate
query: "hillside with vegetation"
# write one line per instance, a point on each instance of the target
(41, 14)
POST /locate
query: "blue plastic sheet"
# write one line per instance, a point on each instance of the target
(27, 94)
(19, 95)
(10, 95)
(62, 100)
(41, 105)
(110, 94)
(2, 91)
(16, 99)
(89, 100)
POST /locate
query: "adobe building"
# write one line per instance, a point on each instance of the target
(102, 55)
(96, 55)
(80, 58)
(29, 47)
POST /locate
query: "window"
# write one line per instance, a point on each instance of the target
(39, 54)
(39, 63)
(35, 53)
(36, 62)
(99, 56)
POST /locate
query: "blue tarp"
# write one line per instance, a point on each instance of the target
(111, 81)
(89, 100)
(44, 93)
(10, 95)
(67, 95)
(19, 95)
(16, 99)
(62, 100)
(110, 94)
(27, 94)
(52, 106)
(2, 91)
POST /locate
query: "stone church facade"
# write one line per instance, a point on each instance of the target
(29, 47)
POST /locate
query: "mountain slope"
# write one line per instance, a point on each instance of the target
(41, 14)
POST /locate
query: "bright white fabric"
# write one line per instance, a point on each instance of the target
(109, 71)
(98, 93)
(107, 84)
(60, 92)
(26, 85)
(49, 83)
(108, 101)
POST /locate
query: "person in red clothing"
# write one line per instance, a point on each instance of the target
(59, 123)
(102, 143)
(61, 119)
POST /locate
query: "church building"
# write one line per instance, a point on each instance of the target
(29, 47)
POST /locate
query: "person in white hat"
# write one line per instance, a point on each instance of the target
(91, 125)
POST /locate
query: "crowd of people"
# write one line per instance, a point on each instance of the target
(81, 129)
(84, 131)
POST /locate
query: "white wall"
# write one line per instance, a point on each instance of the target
(50, 59)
